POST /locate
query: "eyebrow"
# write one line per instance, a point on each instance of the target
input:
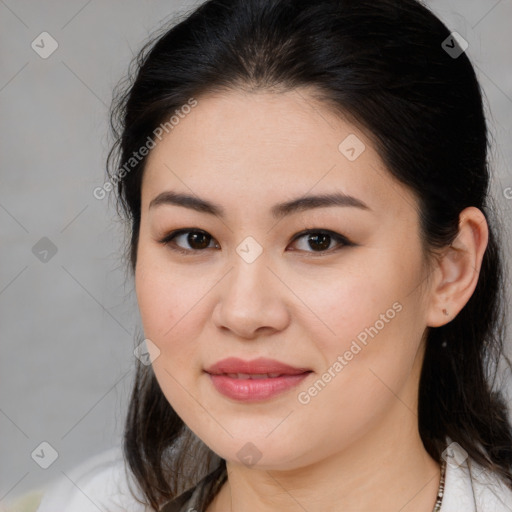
(278, 211)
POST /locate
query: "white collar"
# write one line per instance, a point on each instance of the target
(471, 488)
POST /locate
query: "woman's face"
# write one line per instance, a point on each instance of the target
(346, 314)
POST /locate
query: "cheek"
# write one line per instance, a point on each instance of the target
(165, 292)
(350, 305)
(374, 318)
(169, 305)
(367, 364)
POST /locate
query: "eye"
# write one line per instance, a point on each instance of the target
(197, 240)
(320, 241)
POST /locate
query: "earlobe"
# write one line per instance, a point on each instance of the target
(458, 268)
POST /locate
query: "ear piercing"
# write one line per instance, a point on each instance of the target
(444, 344)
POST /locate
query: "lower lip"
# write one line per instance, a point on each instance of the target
(253, 390)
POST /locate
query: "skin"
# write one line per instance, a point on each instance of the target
(355, 445)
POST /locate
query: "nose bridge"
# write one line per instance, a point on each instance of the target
(250, 297)
(249, 279)
(250, 262)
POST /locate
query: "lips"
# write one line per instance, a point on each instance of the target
(238, 368)
(256, 380)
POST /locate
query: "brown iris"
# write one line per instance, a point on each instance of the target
(319, 242)
(198, 240)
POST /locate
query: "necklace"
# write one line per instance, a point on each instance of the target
(440, 492)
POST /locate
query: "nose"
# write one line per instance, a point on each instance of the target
(252, 301)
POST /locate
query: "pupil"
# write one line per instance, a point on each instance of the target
(322, 241)
(198, 240)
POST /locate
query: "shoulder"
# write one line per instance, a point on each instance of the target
(101, 483)
(491, 493)
(471, 488)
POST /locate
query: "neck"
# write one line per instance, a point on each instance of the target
(385, 470)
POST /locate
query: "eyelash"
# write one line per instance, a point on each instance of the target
(168, 241)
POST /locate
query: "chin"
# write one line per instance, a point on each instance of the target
(257, 451)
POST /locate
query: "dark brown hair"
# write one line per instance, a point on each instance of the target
(382, 64)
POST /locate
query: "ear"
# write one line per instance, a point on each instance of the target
(458, 268)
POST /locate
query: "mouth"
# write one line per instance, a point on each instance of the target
(256, 380)
(272, 368)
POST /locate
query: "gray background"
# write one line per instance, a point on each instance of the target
(68, 324)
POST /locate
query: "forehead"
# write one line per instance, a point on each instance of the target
(269, 145)
(271, 127)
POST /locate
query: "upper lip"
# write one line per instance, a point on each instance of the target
(255, 366)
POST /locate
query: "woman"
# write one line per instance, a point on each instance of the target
(316, 267)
